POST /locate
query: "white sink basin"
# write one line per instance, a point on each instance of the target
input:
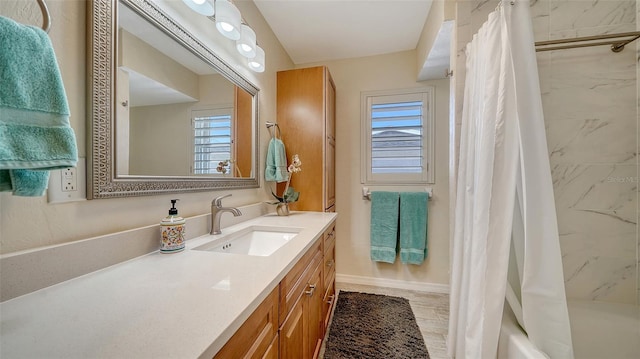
(253, 241)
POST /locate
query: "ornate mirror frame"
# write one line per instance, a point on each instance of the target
(102, 181)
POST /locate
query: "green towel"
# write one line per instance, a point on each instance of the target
(413, 227)
(384, 226)
(35, 135)
(25, 183)
(276, 168)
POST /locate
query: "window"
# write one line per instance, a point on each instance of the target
(212, 140)
(397, 136)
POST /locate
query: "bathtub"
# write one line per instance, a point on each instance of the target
(599, 330)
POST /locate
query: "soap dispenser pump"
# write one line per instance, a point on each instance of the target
(172, 231)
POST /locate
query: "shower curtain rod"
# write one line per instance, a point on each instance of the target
(617, 42)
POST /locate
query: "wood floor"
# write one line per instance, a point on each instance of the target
(431, 311)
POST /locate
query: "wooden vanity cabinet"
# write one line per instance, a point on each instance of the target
(306, 114)
(292, 321)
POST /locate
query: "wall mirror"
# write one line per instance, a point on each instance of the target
(166, 113)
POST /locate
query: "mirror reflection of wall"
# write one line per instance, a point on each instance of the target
(175, 115)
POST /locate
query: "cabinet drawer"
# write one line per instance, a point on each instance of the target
(328, 301)
(256, 335)
(329, 237)
(329, 264)
(273, 351)
(295, 282)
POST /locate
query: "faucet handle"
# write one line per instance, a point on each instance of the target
(218, 200)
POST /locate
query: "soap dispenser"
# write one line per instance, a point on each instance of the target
(172, 231)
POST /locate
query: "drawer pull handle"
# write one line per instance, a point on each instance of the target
(312, 289)
(330, 263)
(331, 298)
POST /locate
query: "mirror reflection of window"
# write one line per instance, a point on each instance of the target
(212, 142)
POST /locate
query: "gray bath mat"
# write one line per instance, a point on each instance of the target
(374, 326)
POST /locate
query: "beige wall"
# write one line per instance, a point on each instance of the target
(144, 59)
(31, 222)
(160, 137)
(352, 76)
(153, 127)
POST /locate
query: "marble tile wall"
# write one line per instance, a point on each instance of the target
(590, 100)
(637, 177)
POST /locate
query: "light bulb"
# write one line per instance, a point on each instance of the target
(226, 26)
(257, 63)
(203, 7)
(228, 19)
(246, 45)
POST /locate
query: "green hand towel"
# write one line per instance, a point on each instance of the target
(413, 227)
(276, 168)
(29, 183)
(384, 226)
(35, 135)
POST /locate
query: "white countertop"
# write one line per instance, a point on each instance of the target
(179, 305)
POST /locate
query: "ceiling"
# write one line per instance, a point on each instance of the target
(322, 30)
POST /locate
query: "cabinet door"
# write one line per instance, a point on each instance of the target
(256, 334)
(292, 332)
(300, 113)
(330, 174)
(330, 145)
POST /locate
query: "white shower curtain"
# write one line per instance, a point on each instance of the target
(504, 175)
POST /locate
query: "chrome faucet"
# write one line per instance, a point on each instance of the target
(216, 212)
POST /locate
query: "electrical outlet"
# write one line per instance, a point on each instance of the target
(68, 184)
(69, 179)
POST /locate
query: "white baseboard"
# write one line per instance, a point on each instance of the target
(392, 283)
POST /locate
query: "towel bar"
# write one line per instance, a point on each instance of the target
(366, 194)
(46, 17)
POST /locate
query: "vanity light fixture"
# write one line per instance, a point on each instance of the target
(257, 63)
(228, 19)
(230, 24)
(247, 43)
(203, 7)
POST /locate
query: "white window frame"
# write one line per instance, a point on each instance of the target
(369, 98)
(218, 111)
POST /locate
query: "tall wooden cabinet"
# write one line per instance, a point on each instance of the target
(306, 114)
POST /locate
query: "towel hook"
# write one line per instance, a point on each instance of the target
(274, 134)
(46, 17)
